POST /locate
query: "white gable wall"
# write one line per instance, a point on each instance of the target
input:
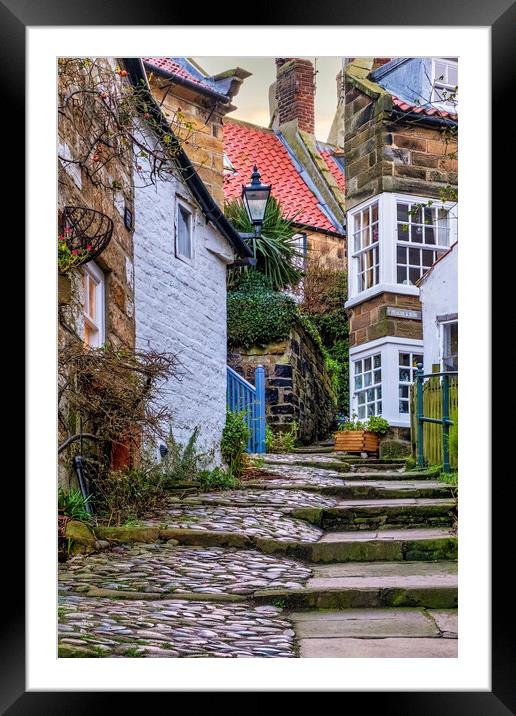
(439, 298)
(181, 308)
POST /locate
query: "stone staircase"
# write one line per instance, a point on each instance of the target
(321, 555)
(384, 576)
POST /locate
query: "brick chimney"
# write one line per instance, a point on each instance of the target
(295, 92)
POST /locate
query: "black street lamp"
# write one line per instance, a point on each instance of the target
(255, 197)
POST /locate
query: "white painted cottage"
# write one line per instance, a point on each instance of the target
(182, 246)
(440, 313)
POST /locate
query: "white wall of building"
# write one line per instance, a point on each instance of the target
(181, 308)
(439, 298)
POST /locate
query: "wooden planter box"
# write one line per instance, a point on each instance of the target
(356, 441)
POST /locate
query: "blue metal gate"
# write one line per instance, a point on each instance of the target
(243, 396)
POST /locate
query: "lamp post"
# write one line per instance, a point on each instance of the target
(255, 197)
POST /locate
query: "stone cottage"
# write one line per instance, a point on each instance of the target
(400, 144)
(183, 244)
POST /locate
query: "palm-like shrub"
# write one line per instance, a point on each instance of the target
(276, 250)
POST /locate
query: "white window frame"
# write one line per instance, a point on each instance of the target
(443, 325)
(387, 214)
(389, 347)
(439, 85)
(182, 204)
(94, 273)
(375, 386)
(412, 370)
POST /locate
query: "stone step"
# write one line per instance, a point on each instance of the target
(373, 585)
(363, 489)
(380, 513)
(405, 633)
(339, 466)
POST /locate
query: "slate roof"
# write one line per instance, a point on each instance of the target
(247, 144)
(182, 68)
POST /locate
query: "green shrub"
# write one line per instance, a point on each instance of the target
(281, 442)
(182, 463)
(450, 478)
(72, 504)
(217, 479)
(377, 425)
(124, 495)
(257, 314)
(234, 441)
(410, 463)
(353, 424)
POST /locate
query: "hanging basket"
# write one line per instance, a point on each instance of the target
(87, 230)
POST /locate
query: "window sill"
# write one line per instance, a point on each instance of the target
(382, 288)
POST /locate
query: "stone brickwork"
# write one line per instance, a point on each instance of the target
(202, 131)
(331, 250)
(369, 321)
(298, 386)
(295, 92)
(401, 155)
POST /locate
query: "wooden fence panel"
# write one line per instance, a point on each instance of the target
(432, 408)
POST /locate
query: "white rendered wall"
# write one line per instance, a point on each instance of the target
(439, 298)
(181, 308)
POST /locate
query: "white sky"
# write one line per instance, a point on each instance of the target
(252, 100)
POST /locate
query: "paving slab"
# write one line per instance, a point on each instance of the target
(446, 620)
(407, 575)
(352, 648)
(364, 624)
(388, 535)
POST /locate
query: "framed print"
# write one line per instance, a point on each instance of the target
(279, 528)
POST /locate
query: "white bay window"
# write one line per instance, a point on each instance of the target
(381, 373)
(393, 240)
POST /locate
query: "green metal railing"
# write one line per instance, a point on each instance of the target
(444, 420)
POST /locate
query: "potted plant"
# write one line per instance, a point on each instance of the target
(360, 436)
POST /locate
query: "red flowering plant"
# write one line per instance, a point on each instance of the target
(70, 258)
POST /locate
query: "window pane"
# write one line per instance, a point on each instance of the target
(403, 390)
(361, 411)
(367, 379)
(377, 360)
(358, 367)
(357, 242)
(416, 215)
(428, 214)
(366, 237)
(401, 274)
(365, 217)
(92, 309)
(358, 382)
(416, 359)
(416, 234)
(183, 233)
(370, 395)
(357, 226)
(378, 376)
(378, 392)
(367, 364)
(378, 408)
(404, 358)
(414, 257)
(361, 398)
(429, 235)
(374, 210)
(404, 375)
(375, 233)
(370, 410)
(428, 258)
(402, 210)
(404, 406)
(414, 274)
(403, 234)
(401, 254)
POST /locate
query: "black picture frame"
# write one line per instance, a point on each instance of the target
(500, 16)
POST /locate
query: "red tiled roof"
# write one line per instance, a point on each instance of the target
(418, 109)
(246, 145)
(338, 175)
(169, 65)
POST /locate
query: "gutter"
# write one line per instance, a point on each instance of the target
(432, 120)
(211, 210)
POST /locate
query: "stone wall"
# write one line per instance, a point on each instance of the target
(331, 250)
(369, 321)
(298, 386)
(386, 155)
